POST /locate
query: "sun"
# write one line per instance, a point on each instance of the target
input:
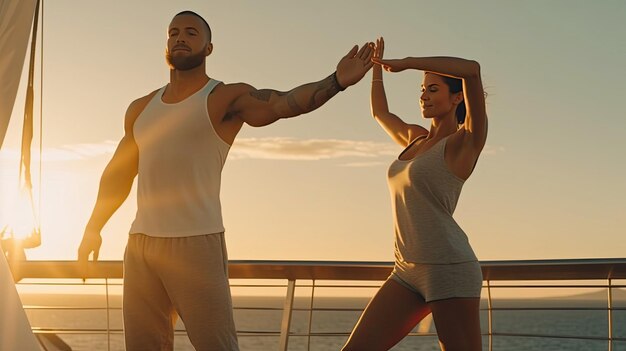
(18, 218)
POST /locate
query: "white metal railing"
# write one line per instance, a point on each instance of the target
(584, 273)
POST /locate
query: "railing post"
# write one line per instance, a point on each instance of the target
(287, 309)
(490, 316)
(106, 283)
(308, 344)
(610, 312)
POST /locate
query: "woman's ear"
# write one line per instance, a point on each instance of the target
(458, 99)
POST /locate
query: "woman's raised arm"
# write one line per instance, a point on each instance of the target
(400, 131)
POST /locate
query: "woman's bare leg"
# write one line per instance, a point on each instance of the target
(458, 323)
(390, 316)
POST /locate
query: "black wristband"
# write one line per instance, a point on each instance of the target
(336, 82)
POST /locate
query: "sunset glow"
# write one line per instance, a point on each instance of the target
(549, 183)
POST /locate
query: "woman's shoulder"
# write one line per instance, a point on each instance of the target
(416, 132)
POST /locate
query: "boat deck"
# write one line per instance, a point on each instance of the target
(301, 287)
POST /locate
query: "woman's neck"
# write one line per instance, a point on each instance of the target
(441, 127)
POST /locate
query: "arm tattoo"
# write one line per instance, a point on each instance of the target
(293, 105)
(308, 97)
(305, 98)
(265, 94)
(336, 82)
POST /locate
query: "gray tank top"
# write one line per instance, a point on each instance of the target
(180, 168)
(424, 194)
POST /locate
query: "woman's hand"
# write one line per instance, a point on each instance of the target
(389, 65)
(379, 49)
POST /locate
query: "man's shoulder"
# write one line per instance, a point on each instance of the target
(226, 95)
(233, 89)
(144, 100)
(137, 106)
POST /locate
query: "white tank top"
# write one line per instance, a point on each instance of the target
(180, 166)
(424, 194)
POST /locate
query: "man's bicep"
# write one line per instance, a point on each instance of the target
(259, 107)
(127, 152)
(126, 155)
(134, 110)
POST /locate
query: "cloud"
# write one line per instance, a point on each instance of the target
(71, 152)
(270, 148)
(280, 148)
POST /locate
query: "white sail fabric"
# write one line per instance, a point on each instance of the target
(16, 21)
(15, 332)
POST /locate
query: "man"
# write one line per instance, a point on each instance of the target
(176, 140)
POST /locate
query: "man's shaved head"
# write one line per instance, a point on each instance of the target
(191, 13)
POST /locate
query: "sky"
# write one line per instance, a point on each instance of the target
(549, 185)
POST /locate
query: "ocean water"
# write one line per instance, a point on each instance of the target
(582, 322)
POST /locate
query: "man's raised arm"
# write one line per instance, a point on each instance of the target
(265, 106)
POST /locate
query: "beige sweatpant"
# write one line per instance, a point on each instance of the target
(187, 275)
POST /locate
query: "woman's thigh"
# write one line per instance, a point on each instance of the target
(458, 323)
(390, 316)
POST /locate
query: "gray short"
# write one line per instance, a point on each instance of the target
(440, 281)
(187, 276)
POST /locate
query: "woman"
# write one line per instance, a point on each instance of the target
(435, 270)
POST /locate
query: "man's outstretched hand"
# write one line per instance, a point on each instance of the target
(91, 243)
(354, 65)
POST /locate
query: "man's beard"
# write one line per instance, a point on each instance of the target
(184, 63)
